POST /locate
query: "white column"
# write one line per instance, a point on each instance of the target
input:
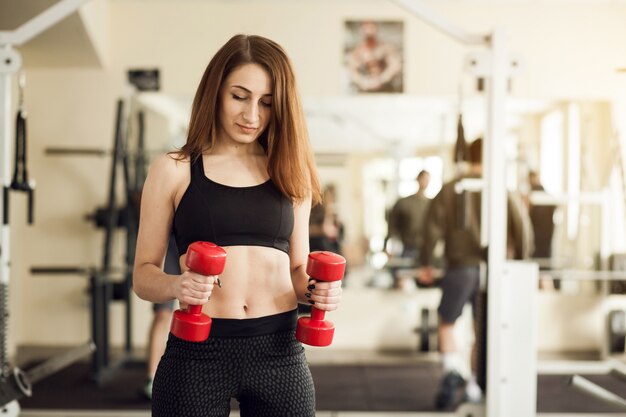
(10, 62)
(494, 200)
(511, 321)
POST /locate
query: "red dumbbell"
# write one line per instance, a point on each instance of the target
(204, 258)
(314, 330)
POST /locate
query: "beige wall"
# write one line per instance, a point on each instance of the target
(569, 52)
(560, 45)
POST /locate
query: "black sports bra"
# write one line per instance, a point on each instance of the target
(258, 215)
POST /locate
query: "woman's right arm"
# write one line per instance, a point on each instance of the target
(155, 222)
(165, 177)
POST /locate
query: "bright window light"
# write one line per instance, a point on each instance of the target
(408, 168)
(573, 168)
(551, 158)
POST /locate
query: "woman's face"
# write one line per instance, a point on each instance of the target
(245, 104)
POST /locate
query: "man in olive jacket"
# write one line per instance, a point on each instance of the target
(406, 220)
(454, 216)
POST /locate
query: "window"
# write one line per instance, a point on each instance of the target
(408, 169)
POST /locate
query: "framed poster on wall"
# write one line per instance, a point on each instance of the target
(373, 56)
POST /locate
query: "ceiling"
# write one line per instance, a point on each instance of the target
(66, 44)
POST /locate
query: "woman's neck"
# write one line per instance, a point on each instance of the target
(232, 148)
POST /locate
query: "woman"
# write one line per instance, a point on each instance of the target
(245, 180)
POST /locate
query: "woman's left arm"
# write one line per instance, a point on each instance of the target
(324, 295)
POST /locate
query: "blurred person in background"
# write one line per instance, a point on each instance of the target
(455, 218)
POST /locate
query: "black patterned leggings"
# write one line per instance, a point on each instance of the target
(267, 373)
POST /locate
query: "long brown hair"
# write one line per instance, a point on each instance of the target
(291, 165)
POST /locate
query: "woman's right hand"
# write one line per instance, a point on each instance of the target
(195, 289)
(426, 276)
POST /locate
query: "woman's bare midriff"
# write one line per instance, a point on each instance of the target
(256, 282)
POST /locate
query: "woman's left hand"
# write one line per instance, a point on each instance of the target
(324, 295)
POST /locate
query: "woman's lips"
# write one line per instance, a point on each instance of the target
(247, 129)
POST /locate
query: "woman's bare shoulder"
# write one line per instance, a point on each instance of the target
(171, 161)
(169, 170)
(170, 165)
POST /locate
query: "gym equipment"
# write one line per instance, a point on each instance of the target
(20, 180)
(512, 370)
(20, 383)
(586, 386)
(10, 63)
(460, 156)
(427, 330)
(617, 331)
(205, 258)
(103, 286)
(144, 79)
(615, 326)
(108, 283)
(460, 146)
(617, 262)
(314, 330)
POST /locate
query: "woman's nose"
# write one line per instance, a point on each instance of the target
(251, 113)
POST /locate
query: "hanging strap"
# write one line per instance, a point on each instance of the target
(20, 175)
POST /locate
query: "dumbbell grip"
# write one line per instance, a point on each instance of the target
(194, 309)
(317, 314)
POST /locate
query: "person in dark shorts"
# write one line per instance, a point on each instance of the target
(246, 181)
(455, 218)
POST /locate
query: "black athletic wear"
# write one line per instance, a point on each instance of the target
(258, 215)
(449, 392)
(459, 286)
(256, 361)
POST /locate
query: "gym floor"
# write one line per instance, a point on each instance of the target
(334, 372)
(56, 413)
(406, 382)
(44, 413)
